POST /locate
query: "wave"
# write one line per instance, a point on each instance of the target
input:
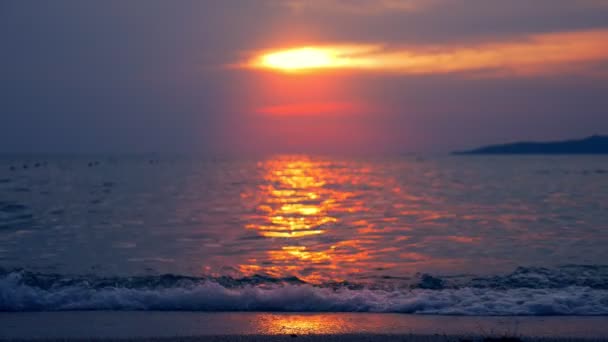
(28, 291)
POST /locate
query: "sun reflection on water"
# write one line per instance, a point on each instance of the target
(302, 324)
(300, 200)
(297, 200)
(327, 220)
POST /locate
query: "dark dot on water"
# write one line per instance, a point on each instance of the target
(12, 168)
(25, 166)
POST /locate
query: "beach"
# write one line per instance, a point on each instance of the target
(260, 326)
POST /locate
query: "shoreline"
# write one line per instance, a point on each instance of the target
(272, 326)
(323, 338)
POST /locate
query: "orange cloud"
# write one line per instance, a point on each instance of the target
(552, 53)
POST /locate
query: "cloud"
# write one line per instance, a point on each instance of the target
(541, 54)
(380, 7)
(358, 7)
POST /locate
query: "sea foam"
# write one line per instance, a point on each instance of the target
(23, 291)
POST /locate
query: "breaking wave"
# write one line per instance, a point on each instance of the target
(568, 290)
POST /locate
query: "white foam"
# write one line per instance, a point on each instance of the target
(15, 295)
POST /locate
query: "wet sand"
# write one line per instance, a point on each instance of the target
(195, 326)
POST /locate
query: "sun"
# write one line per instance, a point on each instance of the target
(316, 58)
(299, 59)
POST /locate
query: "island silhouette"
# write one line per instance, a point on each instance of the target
(595, 144)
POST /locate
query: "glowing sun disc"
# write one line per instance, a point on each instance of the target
(298, 59)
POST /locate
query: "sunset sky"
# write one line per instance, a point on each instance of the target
(326, 76)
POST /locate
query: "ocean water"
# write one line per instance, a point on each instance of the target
(459, 235)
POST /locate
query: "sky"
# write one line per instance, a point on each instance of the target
(299, 76)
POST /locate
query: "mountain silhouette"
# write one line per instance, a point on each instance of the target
(596, 144)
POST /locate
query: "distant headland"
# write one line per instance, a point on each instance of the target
(596, 144)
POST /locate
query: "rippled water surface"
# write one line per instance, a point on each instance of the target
(370, 222)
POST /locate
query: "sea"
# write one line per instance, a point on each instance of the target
(416, 234)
